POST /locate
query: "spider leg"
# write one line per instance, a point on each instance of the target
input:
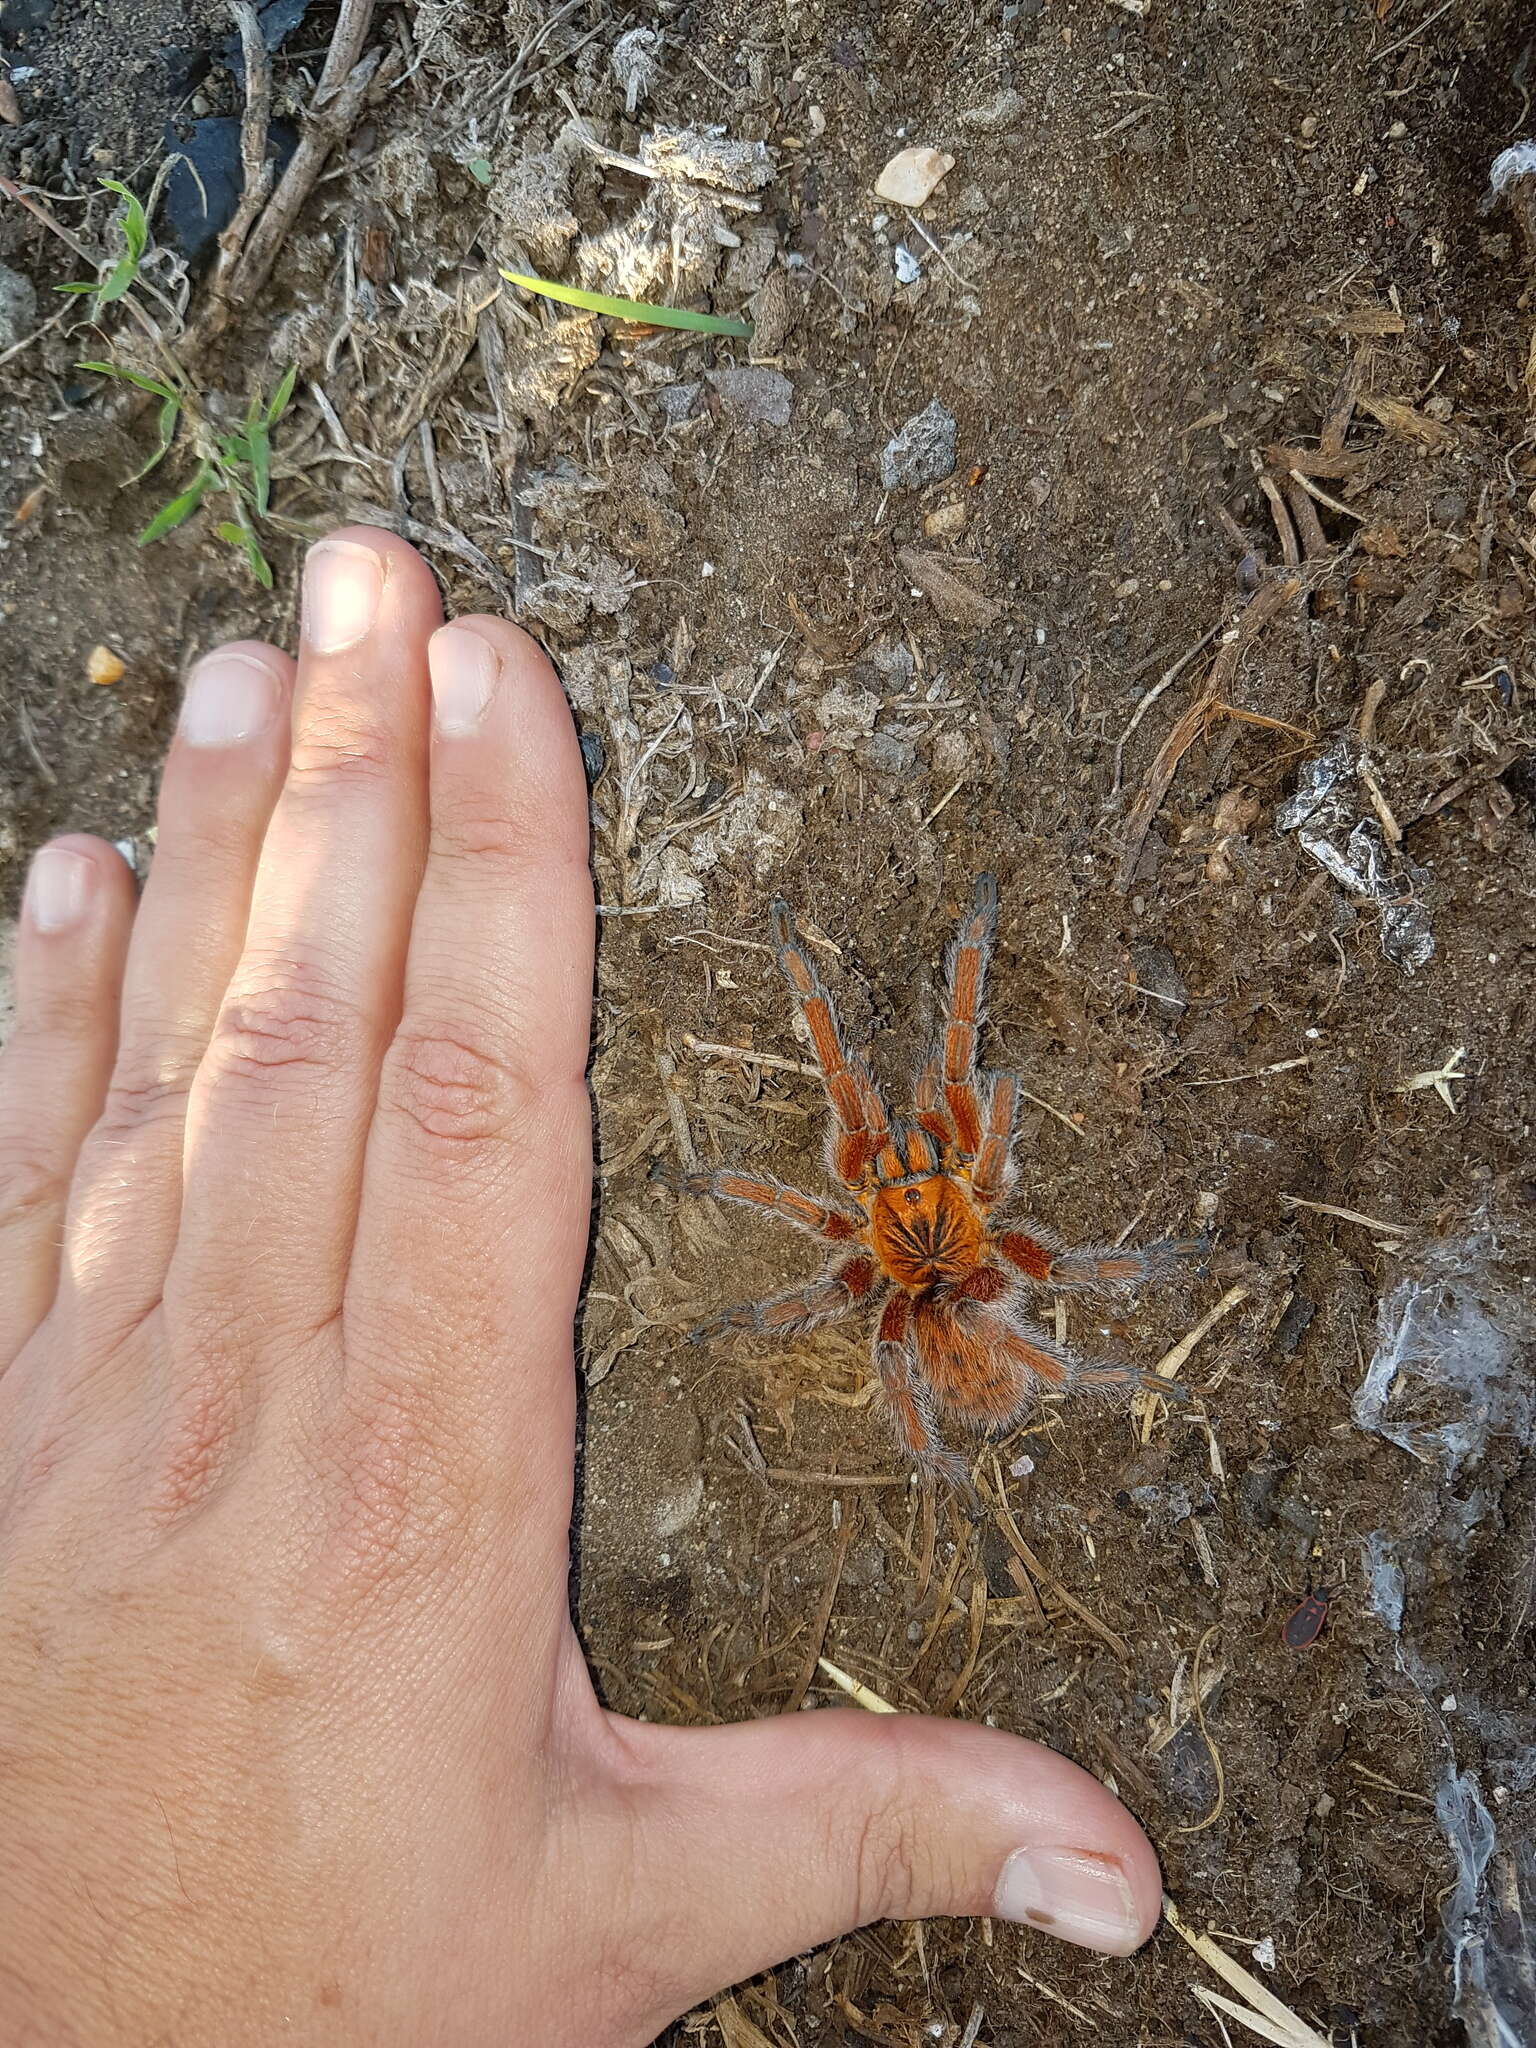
(1102, 1269)
(984, 1342)
(823, 1300)
(994, 1168)
(928, 1101)
(911, 1402)
(968, 958)
(862, 1124)
(761, 1191)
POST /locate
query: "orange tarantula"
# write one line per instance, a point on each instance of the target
(917, 1237)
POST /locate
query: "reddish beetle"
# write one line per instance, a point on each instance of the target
(1302, 1627)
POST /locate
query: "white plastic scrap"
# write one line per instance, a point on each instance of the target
(1490, 1954)
(1326, 817)
(1446, 1370)
(1519, 161)
(1384, 1576)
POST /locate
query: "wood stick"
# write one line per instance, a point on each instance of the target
(1266, 603)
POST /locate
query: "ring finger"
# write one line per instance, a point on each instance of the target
(221, 780)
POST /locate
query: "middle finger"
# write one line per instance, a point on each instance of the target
(281, 1105)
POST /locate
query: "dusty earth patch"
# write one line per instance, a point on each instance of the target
(1205, 289)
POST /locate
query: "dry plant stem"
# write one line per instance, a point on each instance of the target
(1483, 772)
(332, 115)
(1053, 1585)
(1266, 603)
(1314, 542)
(1291, 2030)
(860, 1694)
(824, 1612)
(1205, 1735)
(1379, 804)
(1347, 1215)
(707, 1049)
(255, 169)
(1172, 1363)
(1285, 532)
(1168, 677)
(1368, 710)
(1325, 498)
(967, 1671)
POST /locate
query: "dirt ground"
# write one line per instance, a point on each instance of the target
(1186, 255)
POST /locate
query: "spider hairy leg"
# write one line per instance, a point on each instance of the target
(823, 1300)
(968, 958)
(761, 1191)
(928, 1101)
(1093, 1269)
(860, 1114)
(911, 1406)
(993, 1171)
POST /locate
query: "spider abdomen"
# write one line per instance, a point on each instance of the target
(919, 1242)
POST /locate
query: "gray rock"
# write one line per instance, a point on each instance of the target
(923, 452)
(679, 401)
(18, 306)
(760, 396)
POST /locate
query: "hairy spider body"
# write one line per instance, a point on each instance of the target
(918, 1239)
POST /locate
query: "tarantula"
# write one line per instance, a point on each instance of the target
(917, 1238)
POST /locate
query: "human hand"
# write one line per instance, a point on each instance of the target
(295, 1734)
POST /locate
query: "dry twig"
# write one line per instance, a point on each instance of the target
(1266, 603)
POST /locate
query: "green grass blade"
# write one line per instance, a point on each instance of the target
(87, 285)
(282, 394)
(628, 309)
(118, 279)
(261, 466)
(241, 538)
(135, 221)
(153, 384)
(178, 509)
(170, 413)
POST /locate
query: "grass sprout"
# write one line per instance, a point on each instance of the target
(235, 465)
(628, 309)
(134, 224)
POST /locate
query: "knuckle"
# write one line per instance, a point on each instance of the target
(339, 751)
(145, 1089)
(291, 1021)
(407, 1497)
(452, 1091)
(207, 1421)
(466, 827)
(32, 1183)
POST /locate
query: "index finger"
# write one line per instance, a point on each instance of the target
(477, 1180)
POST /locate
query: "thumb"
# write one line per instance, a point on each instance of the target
(772, 1836)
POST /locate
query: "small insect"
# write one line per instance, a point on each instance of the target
(918, 1237)
(1304, 1624)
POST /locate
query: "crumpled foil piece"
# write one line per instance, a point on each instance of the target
(1325, 816)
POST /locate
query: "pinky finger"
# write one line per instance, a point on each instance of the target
(70, 946)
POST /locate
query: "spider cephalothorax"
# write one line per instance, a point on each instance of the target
(918, 1237)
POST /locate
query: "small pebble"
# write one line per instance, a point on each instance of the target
(908, 269)
(912, 177)
(105, 667)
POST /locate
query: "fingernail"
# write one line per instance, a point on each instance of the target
(230, 697)
(1082, 1898)
(464, 670)
(59, 888)
(343, 584)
